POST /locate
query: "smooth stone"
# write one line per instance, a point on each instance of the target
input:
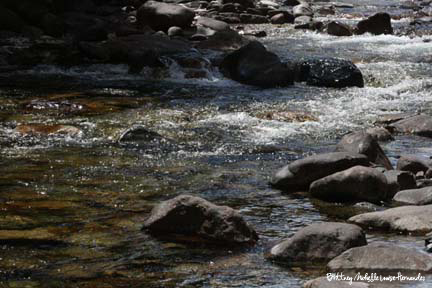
(193, 216)
(318, 243)
(422, 196)
(380, 134)
(406, 219)
(419, 125)
(299, 174)
(382, 258)
(355, 184)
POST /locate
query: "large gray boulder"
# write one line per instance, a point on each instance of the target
(422, 196)
(192, 216)
(254, 65)
(406, 219)
(382, 258)
(318, 243)
(420, 125)
(161, 16)
(299, 174)
(363, 143)
(355, 184)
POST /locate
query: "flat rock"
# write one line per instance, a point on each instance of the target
(422, 196)
(318, 243)
(382, 258)
(299, 174)
(412, 163)
(420, 125)
(355, 184)
(192, 216)
(406, 219)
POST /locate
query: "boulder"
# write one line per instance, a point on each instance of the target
(254, 65)
(420, 125)
(291, 2)
(195, 217)
(303, 9)
(318, 243)
(299, 174)
(382, 258)
(338, 29)
(244, 3)
(422, 196)
(380, 133)
(363, 143)
(355, 184)
(281, 18)
(324, 282)
(399, 180)
(162, 16)
(406, 219)
(412, 164)
(175, 31)
(380, 23)
(329, 72)
(212, 24)
(246, 18)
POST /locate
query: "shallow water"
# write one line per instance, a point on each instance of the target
(72, 206)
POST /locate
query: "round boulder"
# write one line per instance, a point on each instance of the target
(422, 196)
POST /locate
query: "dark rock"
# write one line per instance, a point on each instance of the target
(254, 65)
(412, 164)
(282, 18)
(253, 19)
(195, 217)
(162, 16)
(399, 180)
(299, 174)
(355, 184)
(231, 18)
(323, 282)
(223, 40)
(318, 243)
(229, 7)
(406, 219)
(10, 21)
(330, 72)
(85, 27)
(139, 134)
(420, 125)
(382, 258)
(213, 24)
(380, 23)
(391, 118)
(198, 37)
(244, 3)
(363, 143)
(291, 2)
(422, 196)
(380, 134)
(338, 29)
(302, 9)
(175, 31)
(255, 11)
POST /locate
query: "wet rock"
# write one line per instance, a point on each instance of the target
(139, 134)
(382, 258)
(226, 40)
(198, 37)
(399, 180)
(363, 143)
(380, 134)
(338, 29)
(302, 21)
(299, 174)
(231, 18)
(196, 217)
(355, 184)
(282, 18)
(162, 16)
(253, 19)
(287, 116)
(42, 129)
(291, 2)
(380, 23)
(406, 219)
(330, 72)
(391, 118)
(254, 65)
(318, 243)
(422, 196)
(212, 24)
(323, 282)
(412, 163)
(420, 125)
(303, 9)
(175, 31)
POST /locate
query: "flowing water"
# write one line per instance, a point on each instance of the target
(72, 204)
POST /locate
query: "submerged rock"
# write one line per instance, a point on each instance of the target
(299, 174)
(420, 125)
(422, 196)
(363, 143)
(318, 243)
(162, 16)
(355, 184)
(254, 65)
(380, 23)
(407, 219)
(382, 258)
(195, 217)
(330, 72)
